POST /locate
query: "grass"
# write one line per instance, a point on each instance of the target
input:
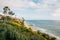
(13, 30)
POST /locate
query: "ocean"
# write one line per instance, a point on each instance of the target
(50, 26)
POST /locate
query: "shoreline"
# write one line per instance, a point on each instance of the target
(42, 31)
(26, 25)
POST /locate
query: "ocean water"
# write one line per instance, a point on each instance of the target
(50, 26)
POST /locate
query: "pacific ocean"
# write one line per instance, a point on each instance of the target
(50, 26)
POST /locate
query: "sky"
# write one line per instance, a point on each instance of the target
(33, 9)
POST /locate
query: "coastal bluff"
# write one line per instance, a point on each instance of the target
(13, 29)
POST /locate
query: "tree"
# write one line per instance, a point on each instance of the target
(6, 10)
(11, 13)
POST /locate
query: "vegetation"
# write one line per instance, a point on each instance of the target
(14, 29)
(7, 11)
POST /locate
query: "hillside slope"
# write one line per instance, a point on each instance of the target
(14, 29)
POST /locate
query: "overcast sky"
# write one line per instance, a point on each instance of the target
(34, 9)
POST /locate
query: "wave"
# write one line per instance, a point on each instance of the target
(45, 31)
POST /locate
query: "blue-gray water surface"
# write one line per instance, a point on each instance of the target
(52, 26)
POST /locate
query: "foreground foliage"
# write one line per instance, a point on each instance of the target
(11, 29)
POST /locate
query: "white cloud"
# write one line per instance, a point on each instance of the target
(32, 4)
(56, 13)
(21, 4)
(45, 5)
(17, 4)
(13, 3)
(1, 13)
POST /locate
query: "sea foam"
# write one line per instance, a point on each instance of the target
(45, 31)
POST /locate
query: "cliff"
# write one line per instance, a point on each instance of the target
(14, 29)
